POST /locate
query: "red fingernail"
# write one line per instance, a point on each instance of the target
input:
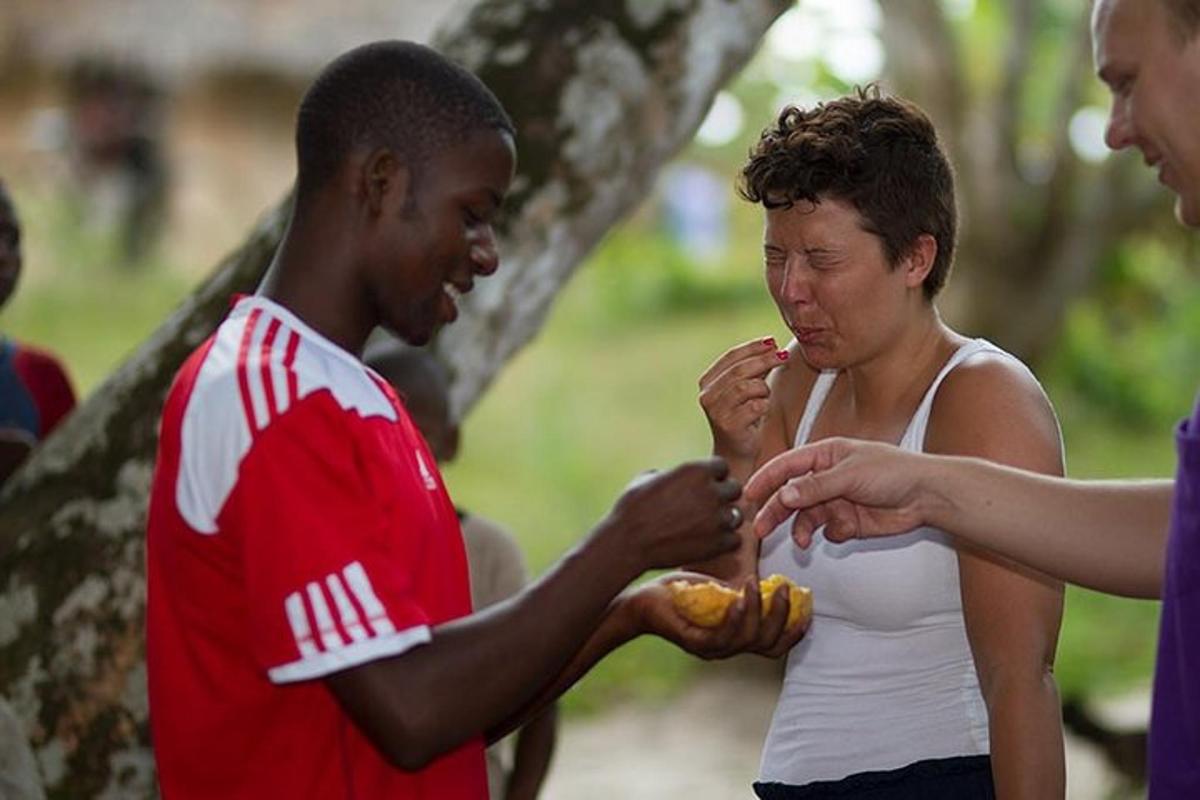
(769, 342)
(782, 355)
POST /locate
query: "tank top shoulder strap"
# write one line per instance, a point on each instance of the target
(816, 399)
(914, 437)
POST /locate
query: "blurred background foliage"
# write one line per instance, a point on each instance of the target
(609, 387)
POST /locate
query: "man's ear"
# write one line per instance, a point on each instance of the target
(919, 260)
(386, 180)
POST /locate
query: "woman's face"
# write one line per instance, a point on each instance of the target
(832, 283)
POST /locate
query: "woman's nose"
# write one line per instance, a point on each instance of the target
(797, 284)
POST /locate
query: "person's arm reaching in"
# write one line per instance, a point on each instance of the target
(649, 608)
(1104, 535)
(432, 698)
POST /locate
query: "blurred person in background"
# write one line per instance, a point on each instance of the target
(696, 211)
(115, 130)
(516, 769)
(1138, 538)
(35, 392)
(928, 669)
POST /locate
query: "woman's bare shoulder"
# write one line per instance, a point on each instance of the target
(992, 405)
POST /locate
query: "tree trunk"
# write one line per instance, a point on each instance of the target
(603, 93)
(1033, 234)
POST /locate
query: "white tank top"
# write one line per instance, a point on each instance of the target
(884, 676)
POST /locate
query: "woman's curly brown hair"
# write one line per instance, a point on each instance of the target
(878, 153)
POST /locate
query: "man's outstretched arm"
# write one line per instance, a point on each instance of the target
(1105, 535)
(649, 608)
(477, 671)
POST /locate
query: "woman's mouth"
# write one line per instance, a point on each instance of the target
(808, 335)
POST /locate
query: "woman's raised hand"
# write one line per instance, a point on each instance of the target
(735, 397)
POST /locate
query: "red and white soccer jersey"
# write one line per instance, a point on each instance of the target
(298, 526)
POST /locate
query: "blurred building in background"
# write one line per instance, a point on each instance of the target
(171, 117)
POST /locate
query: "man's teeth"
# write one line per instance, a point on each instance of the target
(453, 291)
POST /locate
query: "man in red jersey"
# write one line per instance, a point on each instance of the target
(309, 623)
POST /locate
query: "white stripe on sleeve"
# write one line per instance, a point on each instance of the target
(298, 619)
(351, 622)
(330, 638)
(360, 584)
(350, 656)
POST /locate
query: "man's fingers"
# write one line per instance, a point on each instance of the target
(779, 470)
(803, 528)
(731, 517)
(774, 623)
(798, 494)
(742, 629)
(729, 490)
(728, 542)
(717, 467)
(781, 505)
(843, 522)
(789, 639)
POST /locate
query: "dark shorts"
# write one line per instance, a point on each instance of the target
(959, 778)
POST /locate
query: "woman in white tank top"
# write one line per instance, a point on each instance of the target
(926, 671)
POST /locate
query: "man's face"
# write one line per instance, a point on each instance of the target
(430, 252)
(10, 249)
(1155, 84)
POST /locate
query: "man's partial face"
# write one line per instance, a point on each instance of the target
(1155, 84)
(10, 248)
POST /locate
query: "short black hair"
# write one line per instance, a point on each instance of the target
(393, 94)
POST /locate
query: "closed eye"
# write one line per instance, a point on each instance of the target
(820, 258)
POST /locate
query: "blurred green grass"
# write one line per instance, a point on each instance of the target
(607, 390)
(93, 325)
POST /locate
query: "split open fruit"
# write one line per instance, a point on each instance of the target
(706, 603)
